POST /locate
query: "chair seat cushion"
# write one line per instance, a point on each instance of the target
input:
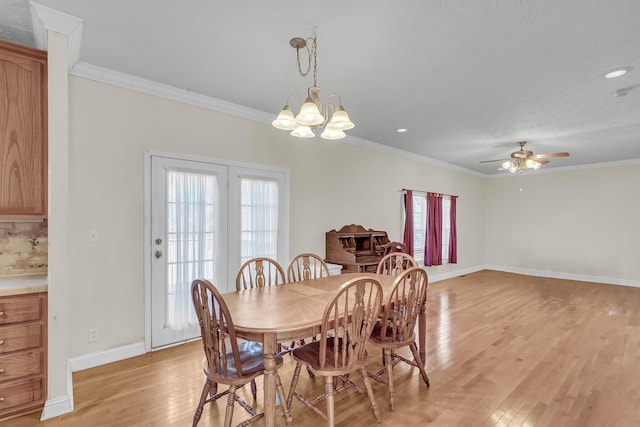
(251, 358)
(309, 354)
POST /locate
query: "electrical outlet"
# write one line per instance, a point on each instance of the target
(93, 334)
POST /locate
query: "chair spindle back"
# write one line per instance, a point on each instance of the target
(216, 328)
(349, 320)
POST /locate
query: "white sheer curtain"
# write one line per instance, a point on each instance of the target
(192, 221)
(259, 218)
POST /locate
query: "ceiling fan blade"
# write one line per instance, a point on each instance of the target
(542, 161)
(489, 161)
(550, 155)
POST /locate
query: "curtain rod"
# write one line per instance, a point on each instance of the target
(404, 190)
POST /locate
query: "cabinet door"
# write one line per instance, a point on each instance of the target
(23, 132)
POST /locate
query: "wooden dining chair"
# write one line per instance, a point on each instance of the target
(347, 324)
(227, 361)
(396, 327)
(395, 263)
(259, 272)
(305, 267)
(389, 247)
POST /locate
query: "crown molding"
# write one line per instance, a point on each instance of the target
(45, 19)
(127, 81)
(116, 78)
(105, 75)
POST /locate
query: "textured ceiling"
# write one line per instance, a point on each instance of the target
(467, 78)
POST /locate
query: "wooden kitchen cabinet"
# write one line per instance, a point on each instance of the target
(23, 354)
(23, 132)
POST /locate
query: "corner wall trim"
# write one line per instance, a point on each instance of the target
(59, 405)
(56, 407)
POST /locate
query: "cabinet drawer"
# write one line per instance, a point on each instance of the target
(20, 309)
(21, 364)
(19, 337)
(19, 393)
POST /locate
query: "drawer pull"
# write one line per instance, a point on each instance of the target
(1, 342)
(1, 399)
(1, 313)
(1, 370)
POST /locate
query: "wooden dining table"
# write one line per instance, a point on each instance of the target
(290, 312)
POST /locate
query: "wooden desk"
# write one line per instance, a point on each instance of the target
(365, 264)
(289, 312)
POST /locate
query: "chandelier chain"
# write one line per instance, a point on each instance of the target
(308, 63)
(312, 56)
(315, 60)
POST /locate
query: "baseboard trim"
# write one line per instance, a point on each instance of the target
(567, 276)
(60, 405)
(56, 407)
(64, 404)
(456, 273)
(99, 358)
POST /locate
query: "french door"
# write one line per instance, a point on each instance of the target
(205, 219)
(188, 232)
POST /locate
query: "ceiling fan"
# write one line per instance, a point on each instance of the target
(522, 159)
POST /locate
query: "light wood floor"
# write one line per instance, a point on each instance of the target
(503, 350)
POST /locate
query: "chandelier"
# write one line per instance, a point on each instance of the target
(313, 114)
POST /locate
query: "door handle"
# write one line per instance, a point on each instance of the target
(158, 253)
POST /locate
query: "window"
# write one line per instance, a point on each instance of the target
(446, 228)
(419, 226)
(421, 233)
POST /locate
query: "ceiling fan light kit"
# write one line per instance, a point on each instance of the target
(522, 159)
(313, 113)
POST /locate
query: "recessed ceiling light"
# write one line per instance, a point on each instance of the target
(622, 92)
(401, 130)
(617, 72)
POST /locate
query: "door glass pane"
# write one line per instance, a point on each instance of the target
(258, 218)
(192, 222)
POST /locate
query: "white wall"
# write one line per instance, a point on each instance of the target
(332, 184)
(581, 223)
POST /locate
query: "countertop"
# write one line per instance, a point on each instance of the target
(26, 284)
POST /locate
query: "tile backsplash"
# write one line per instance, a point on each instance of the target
(23, 248)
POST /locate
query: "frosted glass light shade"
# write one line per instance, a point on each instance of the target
(332, 133)
(506, 164)
(340, 119)
(303, 131)
(309, 114)
(285, 119)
